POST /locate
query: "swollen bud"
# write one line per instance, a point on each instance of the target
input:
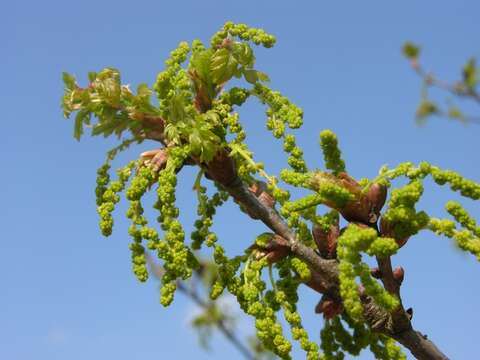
(155, 159)
(328, 307)
(365, 207)
(326, 240)
(273, 247)
(398, 274)
(376, 195)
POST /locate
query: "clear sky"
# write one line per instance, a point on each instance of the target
(68, 293)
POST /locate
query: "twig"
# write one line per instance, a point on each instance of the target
(326, 273)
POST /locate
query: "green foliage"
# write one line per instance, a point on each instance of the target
(351, 244)
(196, 122)
(465, 87)
(425, 109)
(331, 153)
(470, 77)
(411, 51)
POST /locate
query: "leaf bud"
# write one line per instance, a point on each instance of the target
(398, 274)
(326, 240)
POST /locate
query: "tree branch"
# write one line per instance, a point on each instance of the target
(325, 277)
(396, 325)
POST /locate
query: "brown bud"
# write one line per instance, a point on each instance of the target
(222, 168)
(388, 230)
(156, 159)
(259, 189)
(376, 195)
(376, 273)
(398, 274)
(326, 241)
(277, 255)
(275, 250)
(361, 209)
(328, 307)
(365, 207)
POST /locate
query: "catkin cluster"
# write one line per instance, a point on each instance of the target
(197, 123)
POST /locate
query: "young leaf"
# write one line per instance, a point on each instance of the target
(222, 66)
(262, 76)
(177, 109)
(470, 74)
(92, 75)
(69, 81)
(78, 127)
(201, 63)
(144, 91)
(250, 75)
(411, 51)
(243, 54)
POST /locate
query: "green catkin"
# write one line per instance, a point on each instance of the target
(106, 204)
(387, 349)
(198, 117)
(464, 239)
(138, 187)
(269, 331)
(285, 297)
(457, 183)
(351, 243)
(206, 210)
(401, 213)
(331, 152)
(103, 177)
(280, 114)
(243, 32)
(179, 260)
(462, 216)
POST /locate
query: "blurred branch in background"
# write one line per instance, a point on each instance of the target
(466, 87)
(213, 315)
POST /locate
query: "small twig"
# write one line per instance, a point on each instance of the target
(430, 79)
(326, 273)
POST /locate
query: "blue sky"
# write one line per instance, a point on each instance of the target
(68, 293)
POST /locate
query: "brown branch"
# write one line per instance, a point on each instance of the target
(325, 277)
(418, 344)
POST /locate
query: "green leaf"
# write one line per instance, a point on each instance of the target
(426, 108)
(223, 66)
(250, 75)
(470, 74)
(92, 75)
(144, 91)
(243, 53)
(177, 109)
(78, 127)
(410, 50)
(201, 63)
(69, 81)
(105, 128)
(455, 113)
(263, 76)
